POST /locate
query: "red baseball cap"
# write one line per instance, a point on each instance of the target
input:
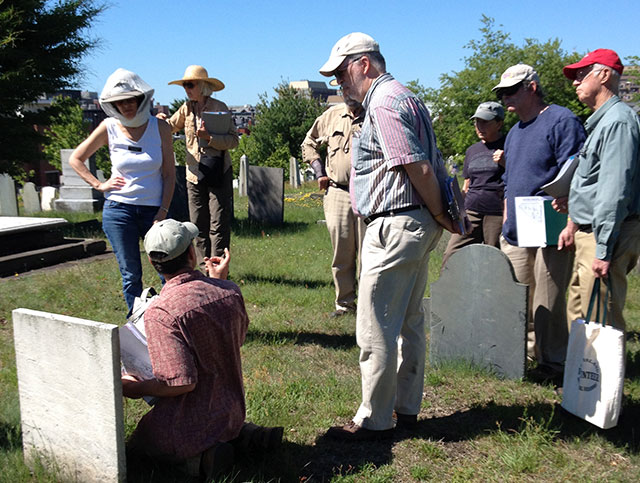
(599, 56)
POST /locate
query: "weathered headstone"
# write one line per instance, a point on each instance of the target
(266, 194)
(242, 177)
(48, 195)
(70, 395)
(294, 173)
(30, 198)
(479, 312)
(75, 193)
(8, 201)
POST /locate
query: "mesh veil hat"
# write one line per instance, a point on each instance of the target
(353, 43)
(199, 73)
(599, 56)
(168, 239)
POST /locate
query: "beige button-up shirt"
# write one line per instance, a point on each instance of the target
(334, 129)
(188, 119)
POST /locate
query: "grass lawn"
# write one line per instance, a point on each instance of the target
(301, 372)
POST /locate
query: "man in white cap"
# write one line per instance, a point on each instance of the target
(334, 129)
(535, 150)
(394, 185)
(604, 201)
(194, 332)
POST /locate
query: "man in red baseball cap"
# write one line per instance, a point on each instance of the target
(604, 201)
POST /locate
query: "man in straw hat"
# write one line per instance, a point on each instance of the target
(394, 186)
(604, 200)
(210, 191)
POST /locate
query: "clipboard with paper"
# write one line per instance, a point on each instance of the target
(217, 122)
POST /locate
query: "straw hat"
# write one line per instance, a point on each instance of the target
(199, 73)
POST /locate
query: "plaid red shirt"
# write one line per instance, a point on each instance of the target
(194, 331)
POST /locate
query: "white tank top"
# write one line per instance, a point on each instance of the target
(138, 162)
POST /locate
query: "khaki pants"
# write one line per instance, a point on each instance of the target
(390, 320)
(623, 260)
(485, 229)
(546, 271)
(346, 231)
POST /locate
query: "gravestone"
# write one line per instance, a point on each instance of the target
(8, 201)
(30, 199)
(479, 312)
(75, 193)
(242, 177)
(70, 395)
(48, 195)
(266, 194)
(294, 173)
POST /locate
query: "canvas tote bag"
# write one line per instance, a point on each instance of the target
(594, 369)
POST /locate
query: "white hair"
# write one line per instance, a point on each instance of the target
(614, 83)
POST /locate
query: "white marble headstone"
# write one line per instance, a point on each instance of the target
(294, 173)
(70, 395)
(242, 177)
(48, 195)
(8, 202)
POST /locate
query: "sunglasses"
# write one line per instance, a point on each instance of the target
(188, 85)
(508, 91)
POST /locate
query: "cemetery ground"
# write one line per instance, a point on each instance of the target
(301, 372)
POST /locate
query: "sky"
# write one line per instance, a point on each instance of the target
(253, 45)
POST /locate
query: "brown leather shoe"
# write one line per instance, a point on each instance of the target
(405, 421)
(352, 432)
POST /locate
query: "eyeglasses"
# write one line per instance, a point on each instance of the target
(340, 73)
(188, 85)
(582, 74)
(508, 91)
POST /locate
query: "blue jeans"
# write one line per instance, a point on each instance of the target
(124, 226)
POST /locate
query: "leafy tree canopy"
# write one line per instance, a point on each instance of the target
(455, 101)
(41, 45)
(280, 126)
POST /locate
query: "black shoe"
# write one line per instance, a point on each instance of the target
(216, 460)
(544, 374)
(405, 421)
(353, 432)
(255, 437)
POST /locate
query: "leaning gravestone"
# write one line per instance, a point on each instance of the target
(266, 194)
(75, 193)
(70, 395)
(479, 312)
(48, 195)
(8, 201)
(30, 199)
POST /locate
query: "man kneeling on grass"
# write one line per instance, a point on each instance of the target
(194, 331)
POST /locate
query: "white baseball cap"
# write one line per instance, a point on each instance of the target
(353, 43)
(516, 74)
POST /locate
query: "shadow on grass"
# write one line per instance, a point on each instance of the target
(10, 436)
(334, 341)
(292, 282)
(254, 229)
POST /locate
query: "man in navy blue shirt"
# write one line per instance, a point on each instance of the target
(535, 149)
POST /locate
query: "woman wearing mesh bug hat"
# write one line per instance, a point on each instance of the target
(209, 173)
(140, 188)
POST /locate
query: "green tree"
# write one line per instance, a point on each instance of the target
(41, 45)
(460, 92)
(66, 130)
(632, 69)
(281, 124)
(179, 146)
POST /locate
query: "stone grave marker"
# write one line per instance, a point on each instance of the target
(75, 193)
(266, 194)
(48, 195)
(242, 177)
(8, 201)
(30, 198)
(479, 312)
(294, 173)
(70, 395)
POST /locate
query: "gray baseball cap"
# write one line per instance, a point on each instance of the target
(515, 74)
(488, 111)
(168, 239)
